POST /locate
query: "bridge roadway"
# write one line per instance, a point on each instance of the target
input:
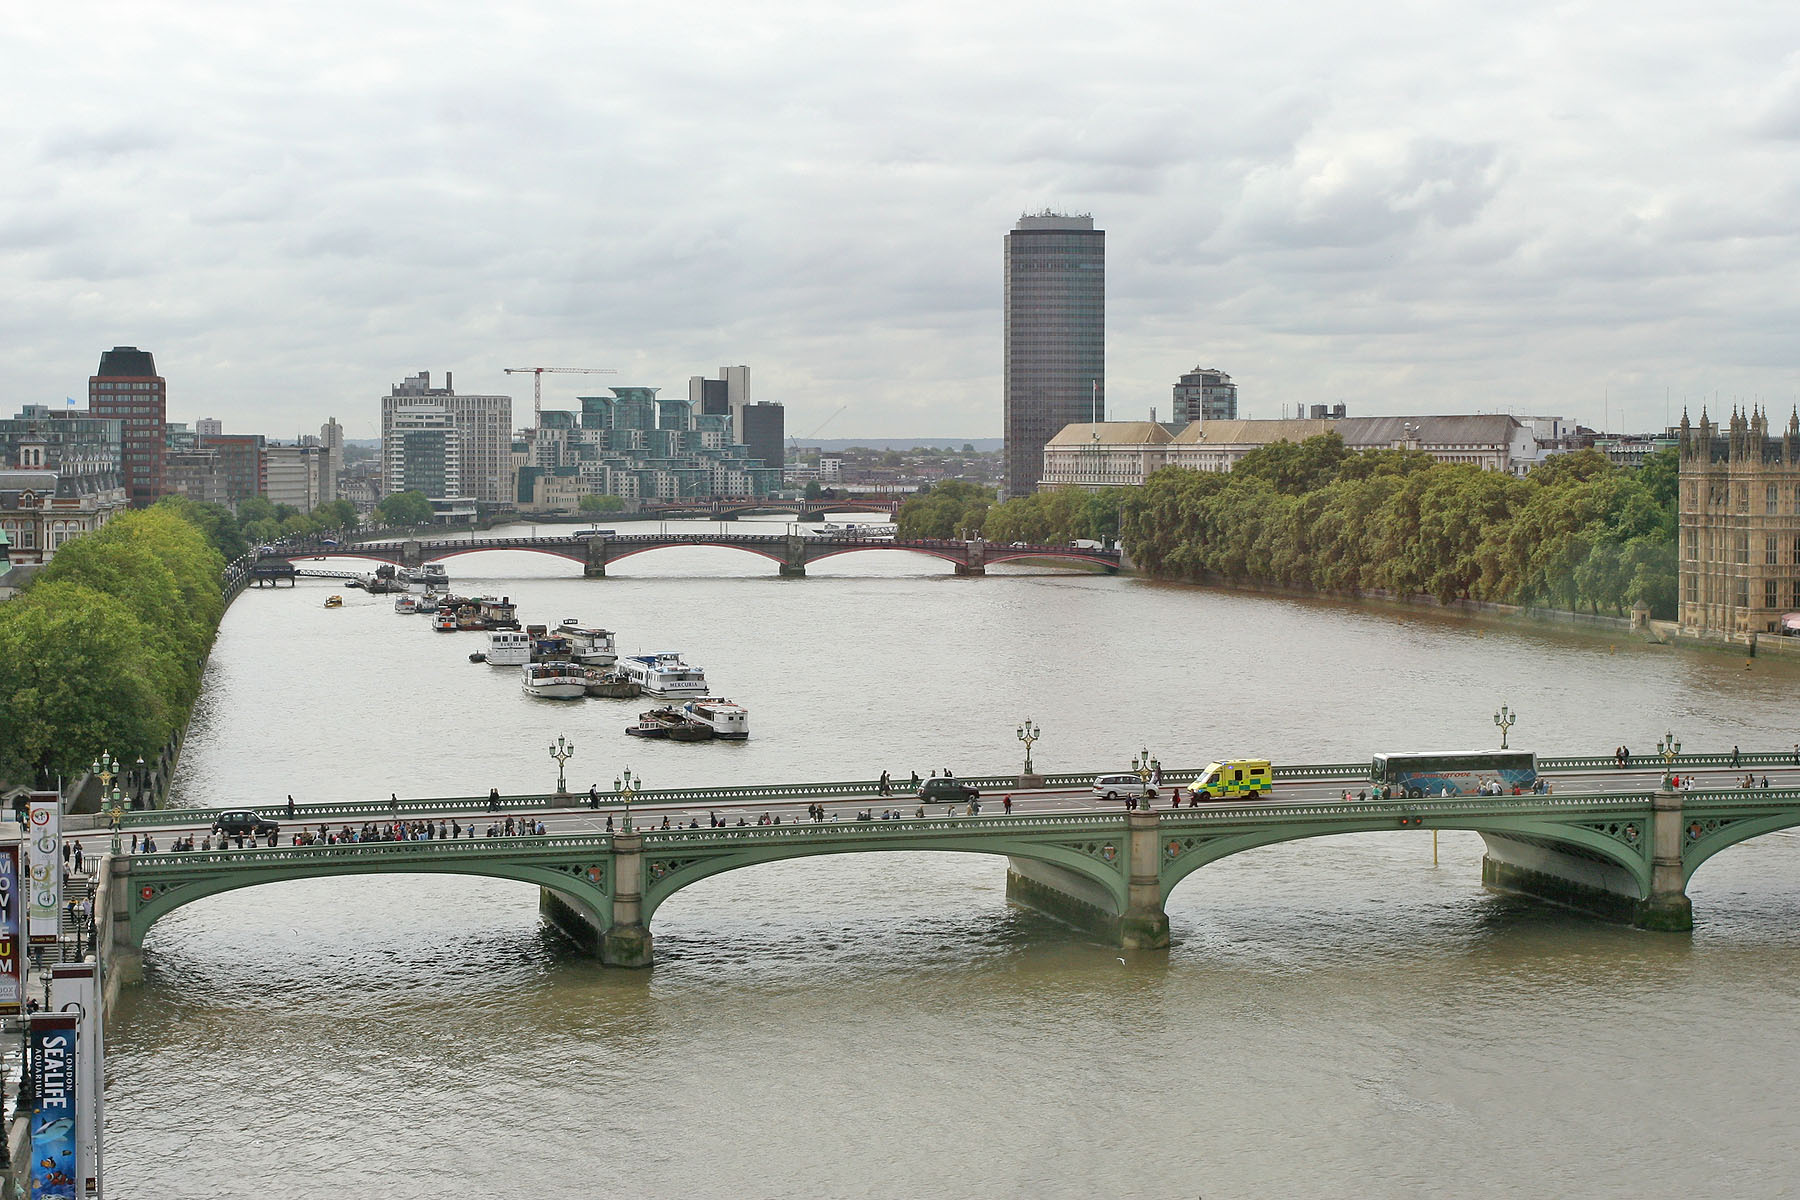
(1622, 853)
(791, 552)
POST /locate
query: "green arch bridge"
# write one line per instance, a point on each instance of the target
(1625, 856)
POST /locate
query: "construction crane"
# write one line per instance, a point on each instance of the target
(794, 442)
(537, 384)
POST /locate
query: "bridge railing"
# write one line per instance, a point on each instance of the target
(551, 845)
(900, 790)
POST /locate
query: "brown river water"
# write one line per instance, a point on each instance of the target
(1335, 1018)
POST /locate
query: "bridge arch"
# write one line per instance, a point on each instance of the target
(668, 870)
(154, 894)
(1705, 835)
(1186, 850)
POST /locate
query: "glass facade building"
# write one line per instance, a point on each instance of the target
(1055, 337)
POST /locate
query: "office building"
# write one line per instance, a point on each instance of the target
(422, 451)
(1739, 527)
(209, 427)
(764, 433)
(331, 465)
(484, 426)
(1122, 453)
(242, 470)
(127, 389)
(293, 475)
(1204, 394)
(1055, 337)
(70, 442)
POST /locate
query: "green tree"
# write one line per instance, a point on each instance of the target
(602, 504)
(256, 508)
(405, 508)
(813, 490)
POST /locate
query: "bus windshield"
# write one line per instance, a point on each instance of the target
(1462, 773)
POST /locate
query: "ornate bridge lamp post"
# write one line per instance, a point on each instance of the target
(116, 814)
(625, 786)
(562, 752)
(1145, 767)
(1029, 733)
(1668, 750)
(108, 769)
(1505, 719)
(143, 784)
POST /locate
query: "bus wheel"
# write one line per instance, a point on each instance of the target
(1414, 793)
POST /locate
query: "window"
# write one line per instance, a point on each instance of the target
(1693, 589)
(1743, 547)
(1693, 546)
(1770, 598)
(1770, 554)
(1770, 502)
(1743, 593)
(1743, 497)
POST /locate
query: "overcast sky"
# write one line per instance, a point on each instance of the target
(1409, 207)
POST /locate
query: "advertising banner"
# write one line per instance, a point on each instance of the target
(75, 988)
(43, 841)
(12, 932)
(53, 1122)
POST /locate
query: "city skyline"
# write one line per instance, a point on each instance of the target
(1327, 212)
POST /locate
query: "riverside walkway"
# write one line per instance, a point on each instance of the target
(1626, 855)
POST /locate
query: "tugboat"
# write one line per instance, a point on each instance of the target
(334, 602)
(444, 621)
(670, 722)
(610, 685)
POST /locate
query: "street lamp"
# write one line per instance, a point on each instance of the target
(625, 786)
(562, 752)
(107, 768)
(1144, 766)
(1029, 733)
(116, 814)
(1505, 719)
(143, 778)
(1668, 750)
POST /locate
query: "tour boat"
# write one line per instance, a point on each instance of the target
(433, 573)
(664, 674)
(553, 681)
(406, 604)
(334, 602)
(591, 647)
(508, 648)
(725, 719)
(444, 621)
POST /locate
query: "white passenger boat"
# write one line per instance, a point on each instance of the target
(406, 604)
(725, 719)
(588, 646)
(508, 648)
(664, 674)
(553, 681)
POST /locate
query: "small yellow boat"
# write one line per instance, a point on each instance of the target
(334, 602)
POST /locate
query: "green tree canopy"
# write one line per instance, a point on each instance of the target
(405, 508)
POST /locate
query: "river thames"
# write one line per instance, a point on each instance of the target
(1335, 1018)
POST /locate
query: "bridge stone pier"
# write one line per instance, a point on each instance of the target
(974, 559)
(1570, 874)
(1080, 899)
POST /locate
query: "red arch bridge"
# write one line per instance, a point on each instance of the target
(790, 552)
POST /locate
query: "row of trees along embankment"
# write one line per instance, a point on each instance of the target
(1577, 533)
(103, 648)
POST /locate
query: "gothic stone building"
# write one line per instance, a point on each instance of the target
(1740, 526)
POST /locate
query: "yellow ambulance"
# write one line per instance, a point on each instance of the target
(1234, 779)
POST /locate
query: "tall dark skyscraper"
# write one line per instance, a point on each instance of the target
(127, 389)
(1055, 337)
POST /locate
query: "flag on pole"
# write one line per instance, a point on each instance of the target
(71, 401)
